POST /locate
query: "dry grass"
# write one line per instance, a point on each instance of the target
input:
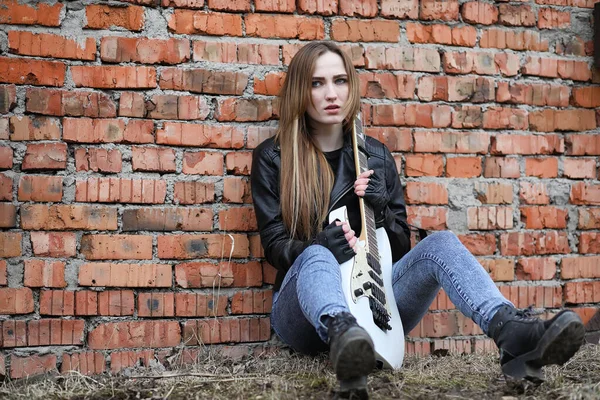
(284, 376)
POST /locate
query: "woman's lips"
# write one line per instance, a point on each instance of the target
(332, 109)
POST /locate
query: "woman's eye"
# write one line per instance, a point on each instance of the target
(340, 81)
(316, 83)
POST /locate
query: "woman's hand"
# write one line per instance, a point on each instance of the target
(371, 186)
(349, 234)
(362, 182)
(339, 239)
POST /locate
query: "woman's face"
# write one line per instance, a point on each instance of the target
(329, 90)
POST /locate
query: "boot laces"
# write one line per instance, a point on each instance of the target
(341, 323)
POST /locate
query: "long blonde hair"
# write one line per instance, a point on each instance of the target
(306, 179)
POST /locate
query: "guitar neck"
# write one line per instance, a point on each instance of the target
(367, 216)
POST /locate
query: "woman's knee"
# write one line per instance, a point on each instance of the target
(443, 238)
(317, 252)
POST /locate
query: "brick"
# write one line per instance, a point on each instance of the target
(6, 157)
(451, 142)
(463, 167)
(505, 118)
(400, 9)
(318, 7)
(204, 81)
(541, 167)
(235, 190)
(545, 217)
(466, 62)
(570, 3)
(500, 269)
(197, 246)
(252, 302)
(534, 94)
(537, 296)
(439, 10)
(98, 160)
(203, 163)
(534, 243)
(44, 273)
(424, 165)
(422, 115)
(53, 244)
(356, 30)
(534, 269)
(589, 242)
(489, 218)
(244, 110)
(396, 139)
(513, 39)
(86, 363)
(501, 167)
(533, 193)
(586, 96)
(10, 244)
(213, 136)
(516, 15)
(132, 104)
(237, 219)
(229, 330)
(139, 131)
(589, 218)
(552, 68)
(40, 188)
(153, 334)
(402, 58)
(16, 301)
(270, 85)
(577, 168)
(16, 13)
(433, 218)
(580, 267)
(238, 163)
(113, 247)
(582, 292)
(257, 134)
(550, 120)
(32, 72)
(153, 159)
(116, 303)
(14, 333)
(527, 144)
(583, 145)
(119, 360)
(441, 34)
(550, 18)
(3, 276)
(386, 85)
(57, 302)
(426, 193)
(8, 98)
(452, 88)
(23, 367)
(476, 12)
(284, 26)
(94, 130)
(285, 6)
(156, 304)
(144, 50)
(121, 190)
(572, 46)
(167, 219)
(86, 302)
(3, 127)
(194, 192)
(104, 17)
(34, 128)
(68, 217)
(467, 117)
(114, 77)
(224, 274)
(205, 23)
(125, 275)
(50, 45)
(479, 244)
(200, 305)
(70, 103)
(177, 107)
(8, 215)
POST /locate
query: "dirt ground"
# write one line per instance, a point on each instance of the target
(285, 376)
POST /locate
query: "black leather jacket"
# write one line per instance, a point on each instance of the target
(280, 250)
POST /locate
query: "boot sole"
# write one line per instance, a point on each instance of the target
(558, 344)
(356, 357)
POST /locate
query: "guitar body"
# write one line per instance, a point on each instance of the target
(389, 344)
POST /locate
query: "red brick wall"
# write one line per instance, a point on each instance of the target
(113, 116)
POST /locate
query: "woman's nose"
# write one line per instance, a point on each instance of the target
(331, 93)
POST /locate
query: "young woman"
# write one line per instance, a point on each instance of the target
(306, 171)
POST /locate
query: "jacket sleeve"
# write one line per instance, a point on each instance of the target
(280, 250)
(395, 212)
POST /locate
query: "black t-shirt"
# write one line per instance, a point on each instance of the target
(350, 199)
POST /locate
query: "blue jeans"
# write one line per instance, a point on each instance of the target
(312, 290)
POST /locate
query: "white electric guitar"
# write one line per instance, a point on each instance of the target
(367, 278)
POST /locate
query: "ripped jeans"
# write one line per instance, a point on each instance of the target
(312, 289)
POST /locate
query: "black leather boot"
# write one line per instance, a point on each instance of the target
(352, 354)
(526, 343)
